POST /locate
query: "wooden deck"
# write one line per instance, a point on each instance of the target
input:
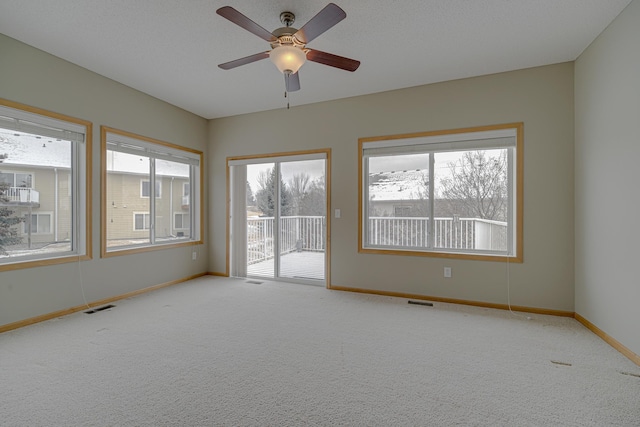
(295, 265)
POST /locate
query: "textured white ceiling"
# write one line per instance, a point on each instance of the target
(170, 49)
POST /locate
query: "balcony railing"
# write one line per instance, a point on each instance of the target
(449, 233)
(20, 196)
(307, 233)
(297, 233)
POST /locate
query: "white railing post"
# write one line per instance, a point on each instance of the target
(308, 229)
(458, 233)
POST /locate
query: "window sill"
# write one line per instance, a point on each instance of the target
(450, 255)
(147, 248)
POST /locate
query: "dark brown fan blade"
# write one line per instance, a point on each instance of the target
(292, 82)
(241, 20)
(332, 60)
(246, 60)
(325, 19)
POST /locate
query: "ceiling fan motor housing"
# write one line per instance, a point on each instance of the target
(287, 18)
(286, 39)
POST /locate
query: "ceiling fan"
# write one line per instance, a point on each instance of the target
(288, 45)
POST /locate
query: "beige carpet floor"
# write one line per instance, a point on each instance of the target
(217, 351)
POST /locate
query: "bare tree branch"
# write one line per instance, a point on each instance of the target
(478, 185)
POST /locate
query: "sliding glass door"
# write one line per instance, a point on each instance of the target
(302, 223)
(278, 218)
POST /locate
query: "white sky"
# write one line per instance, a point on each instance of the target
(313, 168)
(420, 161)
(412, 161)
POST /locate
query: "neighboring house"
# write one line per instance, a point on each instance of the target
(128, 195)
(37, 174)
(398, 193)
(404, 194)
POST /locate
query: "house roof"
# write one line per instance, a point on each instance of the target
(131, 164)
(397, 185)
(30, 150)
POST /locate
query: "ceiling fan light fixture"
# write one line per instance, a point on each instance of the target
(288, 59)
(288, 45)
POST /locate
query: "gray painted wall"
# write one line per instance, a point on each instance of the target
(35, 78)
(607, 153)
(607, 105)
(541, 97)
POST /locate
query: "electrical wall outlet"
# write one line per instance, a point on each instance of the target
(447, 272)
(194, 255)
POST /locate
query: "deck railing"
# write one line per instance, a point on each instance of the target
(449, 233)
(21, 195)
(297, 233)
(307, 233)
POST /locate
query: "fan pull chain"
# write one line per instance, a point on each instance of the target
(285, 95)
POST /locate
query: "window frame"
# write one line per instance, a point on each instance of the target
(396, 145)
(16, 173)
(158, 189)
(37, 230)
(146, 221)
(47, 123)
(182, 221)
(403, 209)
(155, 150)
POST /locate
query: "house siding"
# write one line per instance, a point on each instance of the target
(124, 199)
(44, 181)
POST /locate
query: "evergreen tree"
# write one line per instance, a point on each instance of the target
(251, 200)
(266, 197)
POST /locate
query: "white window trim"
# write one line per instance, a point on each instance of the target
(183, 214)
(16, 172)
(144, 222)
(37, 230)
(158, 190)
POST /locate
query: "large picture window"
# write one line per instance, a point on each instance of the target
(451, 193)
(145, 182)
(44, 183)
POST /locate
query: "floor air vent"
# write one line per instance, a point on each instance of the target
(97, 309)
(428, 304)
(253, 282)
